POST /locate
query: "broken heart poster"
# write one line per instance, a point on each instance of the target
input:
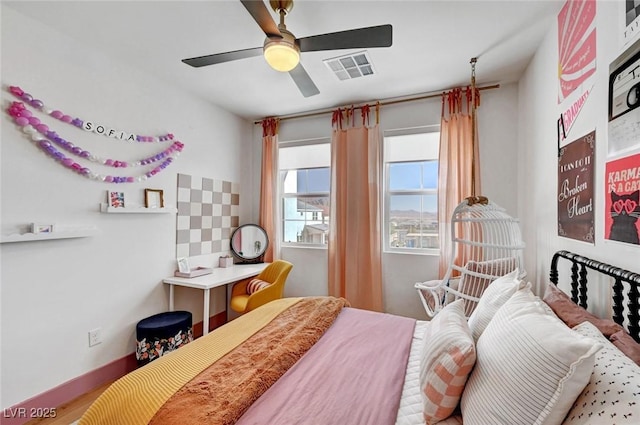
(575, 189)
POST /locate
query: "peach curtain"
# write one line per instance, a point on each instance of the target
(355, 266)
(268, 185)
(459, 161)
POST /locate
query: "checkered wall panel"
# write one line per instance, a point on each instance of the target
(208, 212)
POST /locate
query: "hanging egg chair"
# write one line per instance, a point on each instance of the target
(486, 244)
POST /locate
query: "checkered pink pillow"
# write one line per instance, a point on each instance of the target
(448, 355)
(255, 285)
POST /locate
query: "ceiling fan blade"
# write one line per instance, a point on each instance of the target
(260, 13)
(303, 81)
(379, 36)
(223, 57)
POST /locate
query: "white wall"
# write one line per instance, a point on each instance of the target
(54, 292)
(498, 148)
(538, 112)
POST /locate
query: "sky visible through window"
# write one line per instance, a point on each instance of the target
(413, 176)
(402, 176)
(314, 180)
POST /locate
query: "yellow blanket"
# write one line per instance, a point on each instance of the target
(135, 398)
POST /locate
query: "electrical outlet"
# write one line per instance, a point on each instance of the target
(95, 337)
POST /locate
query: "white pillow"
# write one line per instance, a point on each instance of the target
(530, 367)
(448, 355)
(612, 394)
(492, 299)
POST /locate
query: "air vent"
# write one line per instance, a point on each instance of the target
(350, 66)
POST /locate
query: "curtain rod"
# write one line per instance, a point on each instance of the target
(382, 103)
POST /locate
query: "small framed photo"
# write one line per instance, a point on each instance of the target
(183, 265)
(116, 199)
(153, 198)
(41, 228)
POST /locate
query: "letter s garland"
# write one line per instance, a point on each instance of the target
(36, 130)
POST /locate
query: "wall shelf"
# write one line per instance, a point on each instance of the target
(105, 208)
(58, 234)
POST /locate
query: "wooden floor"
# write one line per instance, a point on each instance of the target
(69, 412)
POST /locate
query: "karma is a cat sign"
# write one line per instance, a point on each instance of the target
(622, 200)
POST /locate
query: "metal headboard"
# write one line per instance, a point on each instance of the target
(579, 265)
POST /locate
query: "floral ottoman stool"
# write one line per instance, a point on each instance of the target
(162, 333)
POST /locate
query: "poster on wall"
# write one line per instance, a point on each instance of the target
(568, 117)
(630, 17)
(622, 200)
(575, 189)
(576, 47)
(624, 100)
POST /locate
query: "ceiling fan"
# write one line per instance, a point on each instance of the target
(282, 49)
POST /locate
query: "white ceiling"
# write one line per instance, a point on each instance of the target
(433, 42)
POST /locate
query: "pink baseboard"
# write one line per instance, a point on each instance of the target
(46, 402)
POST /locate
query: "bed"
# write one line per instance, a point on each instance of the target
(316, 360)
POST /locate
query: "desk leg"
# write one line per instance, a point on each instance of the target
(226, 303)
(171, 302)
(205, 319)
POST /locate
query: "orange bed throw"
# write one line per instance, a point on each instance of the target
(225, 390)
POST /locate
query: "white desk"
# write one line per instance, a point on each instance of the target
(220, 276)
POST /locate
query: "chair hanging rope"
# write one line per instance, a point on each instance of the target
(473, 125)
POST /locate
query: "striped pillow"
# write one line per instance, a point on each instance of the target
(492, 299)
(255, 285)
(448, 355)
(474, 286)
(530, 367)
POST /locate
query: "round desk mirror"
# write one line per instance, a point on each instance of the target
(249, 242)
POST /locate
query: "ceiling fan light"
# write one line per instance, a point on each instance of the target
(281, 56)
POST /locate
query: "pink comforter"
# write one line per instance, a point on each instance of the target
(353, 375)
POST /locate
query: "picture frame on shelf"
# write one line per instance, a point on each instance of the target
(39, 228)
(116, 199)
(153, 198)
(183, 265)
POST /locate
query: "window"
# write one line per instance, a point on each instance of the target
(305, 180)
(411, 192)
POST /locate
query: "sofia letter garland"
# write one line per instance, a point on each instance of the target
(45, 139)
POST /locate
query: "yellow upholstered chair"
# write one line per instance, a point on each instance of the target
(275, 273)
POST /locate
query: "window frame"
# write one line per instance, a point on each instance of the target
(296, 195)
(388, 193)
